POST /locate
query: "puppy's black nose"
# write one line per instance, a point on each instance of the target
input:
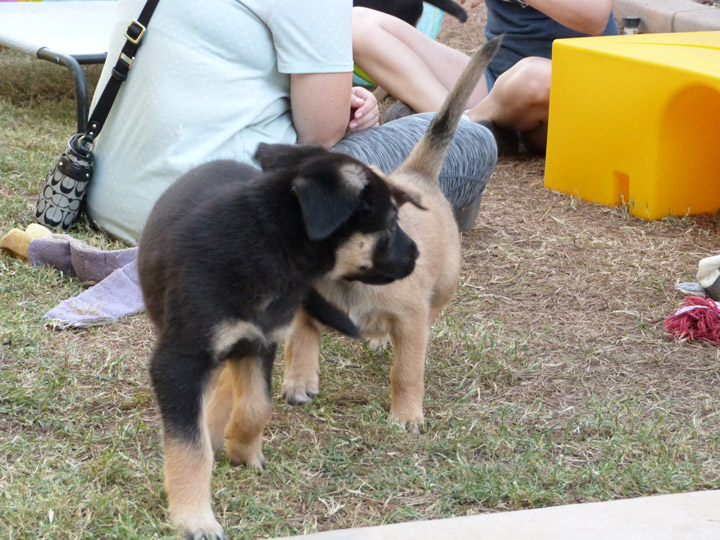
(413, 251)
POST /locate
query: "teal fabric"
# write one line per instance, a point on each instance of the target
(430, 21)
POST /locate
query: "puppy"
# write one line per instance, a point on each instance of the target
(410, 11)
(404, 310)
(225, 261)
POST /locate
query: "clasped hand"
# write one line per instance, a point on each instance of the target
(363, 109)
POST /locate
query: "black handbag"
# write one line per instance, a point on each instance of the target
(62, 196)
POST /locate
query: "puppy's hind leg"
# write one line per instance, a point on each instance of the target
(252, 405)
(179, 379)
(302, 350)
(219, 408)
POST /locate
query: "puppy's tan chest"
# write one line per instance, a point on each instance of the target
(373, 324)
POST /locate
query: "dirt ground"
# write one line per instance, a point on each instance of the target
(550, 377)
(464, 36)
(585, 286)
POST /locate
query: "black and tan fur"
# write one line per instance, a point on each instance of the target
(228, 256)
(402, 311)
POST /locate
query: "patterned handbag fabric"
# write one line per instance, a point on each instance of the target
(63, 191)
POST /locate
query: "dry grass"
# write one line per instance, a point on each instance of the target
(584, 281)
(550, 379)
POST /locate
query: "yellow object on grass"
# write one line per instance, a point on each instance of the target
(15, 243)
(635, 120)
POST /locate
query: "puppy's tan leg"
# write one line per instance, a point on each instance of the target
(188, 467)
(302, 349)
(219, 408)
(407, 387)
(251, 407)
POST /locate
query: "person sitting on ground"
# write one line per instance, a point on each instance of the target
(515, 93)
(213, 79)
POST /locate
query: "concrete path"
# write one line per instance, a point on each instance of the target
(686, 516)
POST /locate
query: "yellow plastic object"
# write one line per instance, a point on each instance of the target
(635, 120)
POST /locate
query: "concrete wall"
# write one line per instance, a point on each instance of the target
(669, 15)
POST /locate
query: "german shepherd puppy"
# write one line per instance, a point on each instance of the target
(225, 261)
(410, 11)
(405, 310)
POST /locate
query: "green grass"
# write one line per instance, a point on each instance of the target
(547, 381)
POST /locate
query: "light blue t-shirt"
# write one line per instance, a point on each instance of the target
(210, 81)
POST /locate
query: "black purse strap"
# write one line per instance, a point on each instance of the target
(133, 38)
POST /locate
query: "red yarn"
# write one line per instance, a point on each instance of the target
(696, 318)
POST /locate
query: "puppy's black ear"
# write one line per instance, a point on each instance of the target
(329, 193)
(285, 156)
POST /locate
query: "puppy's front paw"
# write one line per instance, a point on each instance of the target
(300, 391)
(200, 528)
(411, 421)
(204, 535)
(378, 344)
(411, 427)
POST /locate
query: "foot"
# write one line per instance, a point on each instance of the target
(298, 391)
(247, 453)
(197, 527)
(508, 141)
(409, 417)
(377, 344)
(399, 109)
(408, 426)
(466, 216)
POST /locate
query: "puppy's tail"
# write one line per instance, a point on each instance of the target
(329, 314)
(448, 6)
(428, 156)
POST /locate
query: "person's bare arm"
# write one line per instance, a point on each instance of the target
(586, 16)
(320, 106)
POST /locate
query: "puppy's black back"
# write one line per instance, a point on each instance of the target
(229, 244)
(221, 252)
(158, 257)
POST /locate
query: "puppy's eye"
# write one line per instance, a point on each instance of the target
(364, 268)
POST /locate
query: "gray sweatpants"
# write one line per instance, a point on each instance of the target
(470, 162)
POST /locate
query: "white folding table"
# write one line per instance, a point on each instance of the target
(65, 33)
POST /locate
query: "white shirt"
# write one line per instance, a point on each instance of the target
(210, 81)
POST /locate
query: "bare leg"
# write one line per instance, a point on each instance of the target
(420, 71)
(408, 64)
(520, 100)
